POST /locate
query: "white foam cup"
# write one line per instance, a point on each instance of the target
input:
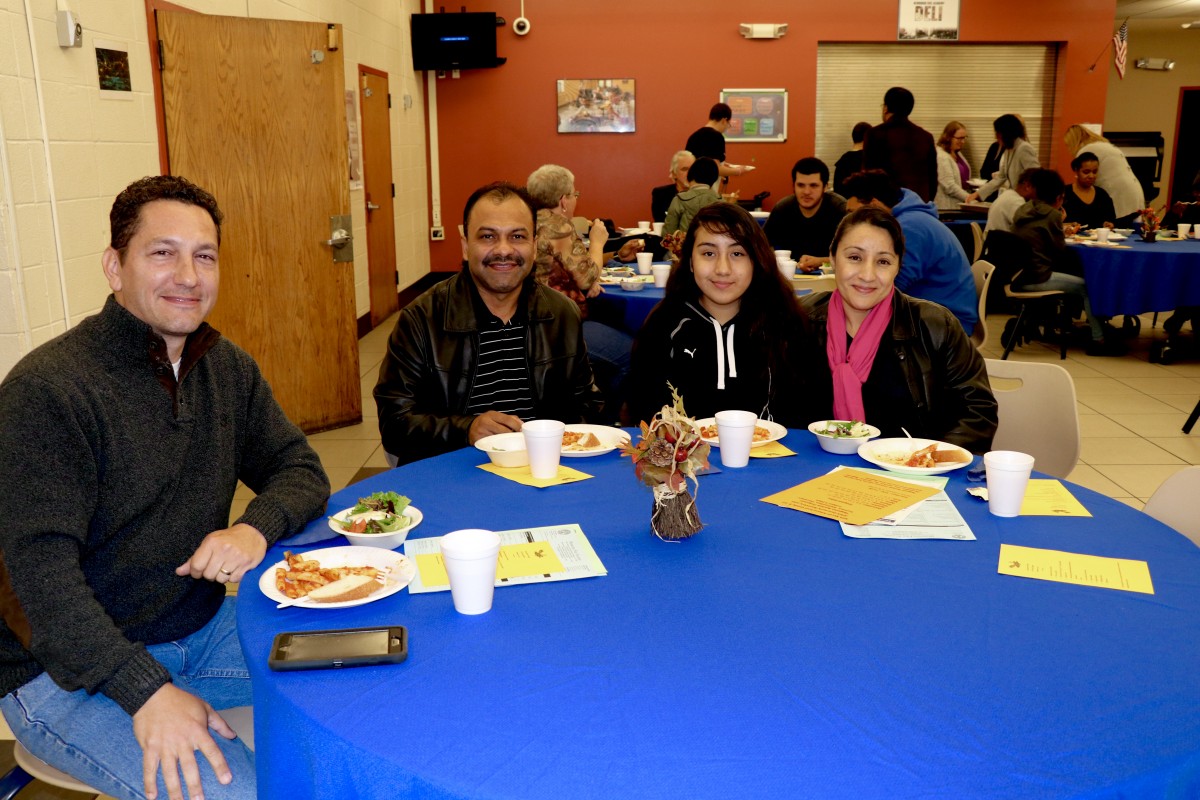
(1007, 476)
(661, 273)
(470, 560)
(643, 225)
(785, 254)
(644, 261)
(1102, 234)
(1182, 229)
(735, 431)
(657, 228)
(543, 441)
(788, 268)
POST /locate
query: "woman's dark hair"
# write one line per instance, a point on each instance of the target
(876, 218)
(769, 305)
(859, 131)
(1078, 161)
(1009, 128)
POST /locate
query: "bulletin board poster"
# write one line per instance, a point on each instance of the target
(759, 115)
(928, 19)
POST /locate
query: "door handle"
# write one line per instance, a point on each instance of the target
(371, 206)
(341, 238)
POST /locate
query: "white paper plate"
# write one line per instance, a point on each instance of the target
(610, 439)
(776, 430)
(403, 570)
(874, 450)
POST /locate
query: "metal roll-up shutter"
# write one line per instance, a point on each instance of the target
(970, 83)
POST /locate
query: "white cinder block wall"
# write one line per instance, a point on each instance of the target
(65, 151)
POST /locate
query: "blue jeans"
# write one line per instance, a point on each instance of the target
(1072, 285)
(91, 738)
(608, 350)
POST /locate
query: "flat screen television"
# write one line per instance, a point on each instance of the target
(465, 40)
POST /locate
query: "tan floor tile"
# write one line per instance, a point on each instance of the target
(1165, 385)
(1157, 425)
(1089, 478)
(1129, 404)
(238, 507)
(1078, 369)
(1100, 425)
(1186, 447)
(1090, 387)
(1182, 402)
(1190, 369)
(1132, 502)
(1113, 450)
(340, 477)
(368, 365)
(1138, 480)
(365, 430)
(242, 492)
(377, 459)
(344, 452)
(1128, 368)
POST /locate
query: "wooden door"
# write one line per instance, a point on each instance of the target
(377, 185)
(255, 114)
(1185, 158)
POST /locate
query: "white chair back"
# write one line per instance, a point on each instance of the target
(1038, 413)
(977, 237)
(1174, 503)
(982, 272)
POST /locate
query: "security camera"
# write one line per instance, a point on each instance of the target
(521, 26)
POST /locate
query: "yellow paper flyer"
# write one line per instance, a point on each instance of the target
(1046, 497)
(1055, 565)
(851, 496)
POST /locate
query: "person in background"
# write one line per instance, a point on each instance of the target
(1085, 202)
(564, 263)
(899, 363)
(804, 222)
(727, 334)
(122, 446)
(851, 160)
(953, 171)
(701, 177)
(1186, 213)
(1054, 267)
(991, 163)
(1115, 175)
(935, 267)
(709, 141)
(1004, 207)
(1016, 156)
(661, 196)
(902, 149)
(489, 347)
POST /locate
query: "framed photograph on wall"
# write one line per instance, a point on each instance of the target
(596, 106)
(112, 70)
(928, 19)
(759, 115)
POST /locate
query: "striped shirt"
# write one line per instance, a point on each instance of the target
(502, 372)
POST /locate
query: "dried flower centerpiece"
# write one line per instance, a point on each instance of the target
(669, 452)
(1150, 225)
(673, 243)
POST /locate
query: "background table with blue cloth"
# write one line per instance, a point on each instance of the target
(769, 656)
(1140, 277)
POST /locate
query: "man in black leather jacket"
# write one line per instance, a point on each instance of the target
(431, 395)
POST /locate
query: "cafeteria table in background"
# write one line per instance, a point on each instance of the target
(628, 310)
(1137, 278)
(768, 657)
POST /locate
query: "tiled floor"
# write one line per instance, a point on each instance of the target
(1131, 416)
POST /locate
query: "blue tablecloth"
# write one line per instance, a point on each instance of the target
(770, 656)
(628, 310)
(1145, 277)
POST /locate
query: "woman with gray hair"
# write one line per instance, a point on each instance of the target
(661, 196)
(564, 263)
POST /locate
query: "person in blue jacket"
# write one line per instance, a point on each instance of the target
(935, 267)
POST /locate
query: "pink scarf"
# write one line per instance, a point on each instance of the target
(850, 369)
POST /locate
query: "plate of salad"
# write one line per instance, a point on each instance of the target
(381, 514)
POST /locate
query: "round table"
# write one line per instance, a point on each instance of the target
(769, 656)
(1137, 277)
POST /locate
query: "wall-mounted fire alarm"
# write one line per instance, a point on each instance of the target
(70, 32)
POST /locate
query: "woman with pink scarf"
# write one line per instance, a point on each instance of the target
(894, 361)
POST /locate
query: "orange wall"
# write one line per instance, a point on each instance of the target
(499, 124)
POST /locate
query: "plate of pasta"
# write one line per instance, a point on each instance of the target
(915, 456)
(765, 432)
(583, 441)
(291, 581)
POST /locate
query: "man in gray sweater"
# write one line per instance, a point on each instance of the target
(121, 446)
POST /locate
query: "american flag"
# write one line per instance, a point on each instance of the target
(1120, 47)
